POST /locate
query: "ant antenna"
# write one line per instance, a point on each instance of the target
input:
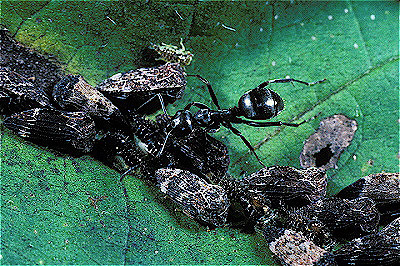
(149, 100)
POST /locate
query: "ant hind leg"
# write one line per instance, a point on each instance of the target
(238, 133)
(264, 84)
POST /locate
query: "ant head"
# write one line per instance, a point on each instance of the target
(182, 123)
(260, 104)
(208, 119)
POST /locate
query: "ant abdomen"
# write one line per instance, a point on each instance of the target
(260, 104)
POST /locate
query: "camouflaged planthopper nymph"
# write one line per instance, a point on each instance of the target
(145, 90)
(198, 199)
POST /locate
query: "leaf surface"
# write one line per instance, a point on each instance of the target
(62, 210)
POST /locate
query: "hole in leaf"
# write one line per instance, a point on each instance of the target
(323, 156)
(334, 134)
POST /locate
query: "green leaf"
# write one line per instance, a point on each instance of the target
(47, 215)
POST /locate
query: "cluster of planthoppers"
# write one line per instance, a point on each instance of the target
(176, 153)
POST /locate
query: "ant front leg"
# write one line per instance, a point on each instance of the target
(264, 84)
(196, 104)
(210, 89)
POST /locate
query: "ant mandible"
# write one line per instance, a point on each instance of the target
(257, 104)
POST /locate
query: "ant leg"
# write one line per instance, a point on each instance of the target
(210, 89)
(238, 120)
(149, 100)
(237, 133)
(264, 84)
(196, 104)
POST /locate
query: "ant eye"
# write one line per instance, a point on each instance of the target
(203, 117)
(260, 104)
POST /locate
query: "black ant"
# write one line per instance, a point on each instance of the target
(257, 104)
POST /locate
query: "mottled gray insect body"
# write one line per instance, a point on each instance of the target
(68, 131)
(139, 90)
(288, 185)
(74, 93)
(199, 200)
(383, 188)
(342, 218)
(17, 93)
(382, 248)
